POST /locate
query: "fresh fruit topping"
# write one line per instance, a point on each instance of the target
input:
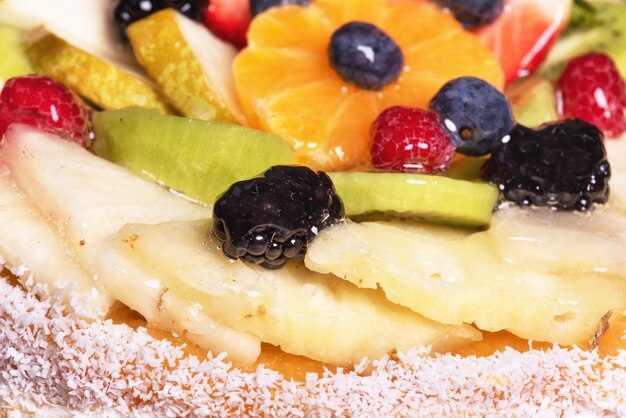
(259, 6)
(129, 11)
(533, 101)
(42, 102)
(287, 85)
(199, 159)
(14, 60)
(192, 67)
(562, 165)
(474, 13)
(418, 196)
(474, 113)
(523, 34)
(365, 56)
(271, 219)
(101, 81)
(592, 89)
(410, 140)
(598, 26)
(229, 20)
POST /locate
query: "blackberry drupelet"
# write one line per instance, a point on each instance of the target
(562, 165)
(271, 219)
(365, 56)
(259, 6)
(129, 11)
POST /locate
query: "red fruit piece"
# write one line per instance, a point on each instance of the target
(229, 20)
(46, 104)
(524, 33)
(592, 89)
(410, 140)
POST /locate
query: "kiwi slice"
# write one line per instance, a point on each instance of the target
(434, 198)
(14, 61)
(533, 101)
(599, 26)
(197, 158)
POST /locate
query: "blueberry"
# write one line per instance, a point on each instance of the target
(259, 6)
(474, 13)
(562, 165)
(365, 56)
(475, 114)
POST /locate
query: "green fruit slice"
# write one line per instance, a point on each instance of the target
(14, 61)
(103, 83)
(433, 198)
(197, 158)
(600, 27)
(533, 101)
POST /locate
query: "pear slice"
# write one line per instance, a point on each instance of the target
(85, 23)
(197, 158)
(14, 61)
(304, 313)
(28, 239)
(98, 80)
(192, 67)
(89, 199)
(454, 277)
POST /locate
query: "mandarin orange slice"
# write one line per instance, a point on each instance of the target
(288, 87)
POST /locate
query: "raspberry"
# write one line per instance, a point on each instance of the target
(46, 104)
(271, 219)
(592, 89)
(410, 140)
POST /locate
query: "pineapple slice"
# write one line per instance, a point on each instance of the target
(90, 199)
(565, 243)
(304, 313)
(455, 277)
(28, 239)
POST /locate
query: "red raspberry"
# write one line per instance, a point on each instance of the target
(591, 88)
(50, 106)
(410, 140)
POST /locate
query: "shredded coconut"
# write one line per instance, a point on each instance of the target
(54, 363)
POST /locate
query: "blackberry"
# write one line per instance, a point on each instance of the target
(562, 165)
(365, 56)
(474, 13)
(259, 6)
(129, 11)
(474, 113)
(271, 219)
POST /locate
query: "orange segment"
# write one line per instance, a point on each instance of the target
(287, 85)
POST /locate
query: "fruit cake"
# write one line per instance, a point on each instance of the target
(312, 207)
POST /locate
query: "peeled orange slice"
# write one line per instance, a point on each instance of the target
(288, 87)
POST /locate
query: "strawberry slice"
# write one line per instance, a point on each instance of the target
(524, 33)
(229, 20)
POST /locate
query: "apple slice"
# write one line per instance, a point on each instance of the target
(456, 277)
(197, 158)
(100, 81)
(304, 313)
(192, 66)
(90, 199)
(28, 239)
(14, 60)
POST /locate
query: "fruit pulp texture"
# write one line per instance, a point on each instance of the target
(296, 367)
